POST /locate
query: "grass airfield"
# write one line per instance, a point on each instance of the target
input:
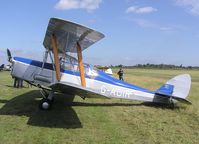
(99, 120)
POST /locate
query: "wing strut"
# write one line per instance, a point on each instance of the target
(56, 58)
(81, 66)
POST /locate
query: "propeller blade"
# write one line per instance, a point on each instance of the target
(9, 55)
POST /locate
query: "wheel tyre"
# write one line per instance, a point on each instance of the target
(45, 104)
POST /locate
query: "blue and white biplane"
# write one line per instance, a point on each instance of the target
(67, 74)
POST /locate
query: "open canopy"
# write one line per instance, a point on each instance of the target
(68, 34)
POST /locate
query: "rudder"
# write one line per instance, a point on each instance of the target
(177, 88)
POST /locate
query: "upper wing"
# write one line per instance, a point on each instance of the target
(69, 88)
(68, 34)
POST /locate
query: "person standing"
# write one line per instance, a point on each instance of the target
(15, 82)
(121, 74)
(18, 83)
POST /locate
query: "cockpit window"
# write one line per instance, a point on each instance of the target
(71, 63)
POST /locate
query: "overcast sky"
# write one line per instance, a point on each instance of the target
(136, 31)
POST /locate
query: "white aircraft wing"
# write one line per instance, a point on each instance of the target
(69, 88)
(68, 34)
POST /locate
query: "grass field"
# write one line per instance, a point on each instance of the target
(99, 120)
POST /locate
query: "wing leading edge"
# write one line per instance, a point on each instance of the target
(68, 34)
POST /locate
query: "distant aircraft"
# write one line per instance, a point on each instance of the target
(7, 68)
(1, 67)
(66, 74)
(109, 71)
(106, 69)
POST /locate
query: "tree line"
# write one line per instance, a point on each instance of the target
(154, 66)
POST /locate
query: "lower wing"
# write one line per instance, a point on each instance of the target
(69, 88)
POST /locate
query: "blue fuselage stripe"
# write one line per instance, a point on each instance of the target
(102, 77)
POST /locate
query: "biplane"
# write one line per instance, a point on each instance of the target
(60, 72)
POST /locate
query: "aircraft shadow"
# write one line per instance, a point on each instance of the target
(147, 104)
(61, 116)
(4, 101)
(161, 105)
(85, 104)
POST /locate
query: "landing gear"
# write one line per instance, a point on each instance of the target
(47, 101)
(45, 104)
(172, 103)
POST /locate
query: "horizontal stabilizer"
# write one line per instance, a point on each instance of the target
(181, 100)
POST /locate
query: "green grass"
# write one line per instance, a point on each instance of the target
(98, 120)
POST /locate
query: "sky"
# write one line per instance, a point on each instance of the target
(136, 31)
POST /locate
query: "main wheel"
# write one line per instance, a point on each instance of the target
(45, 104)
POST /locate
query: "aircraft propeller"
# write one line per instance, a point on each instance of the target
(9, 55)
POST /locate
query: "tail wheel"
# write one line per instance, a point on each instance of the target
(172, 103)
